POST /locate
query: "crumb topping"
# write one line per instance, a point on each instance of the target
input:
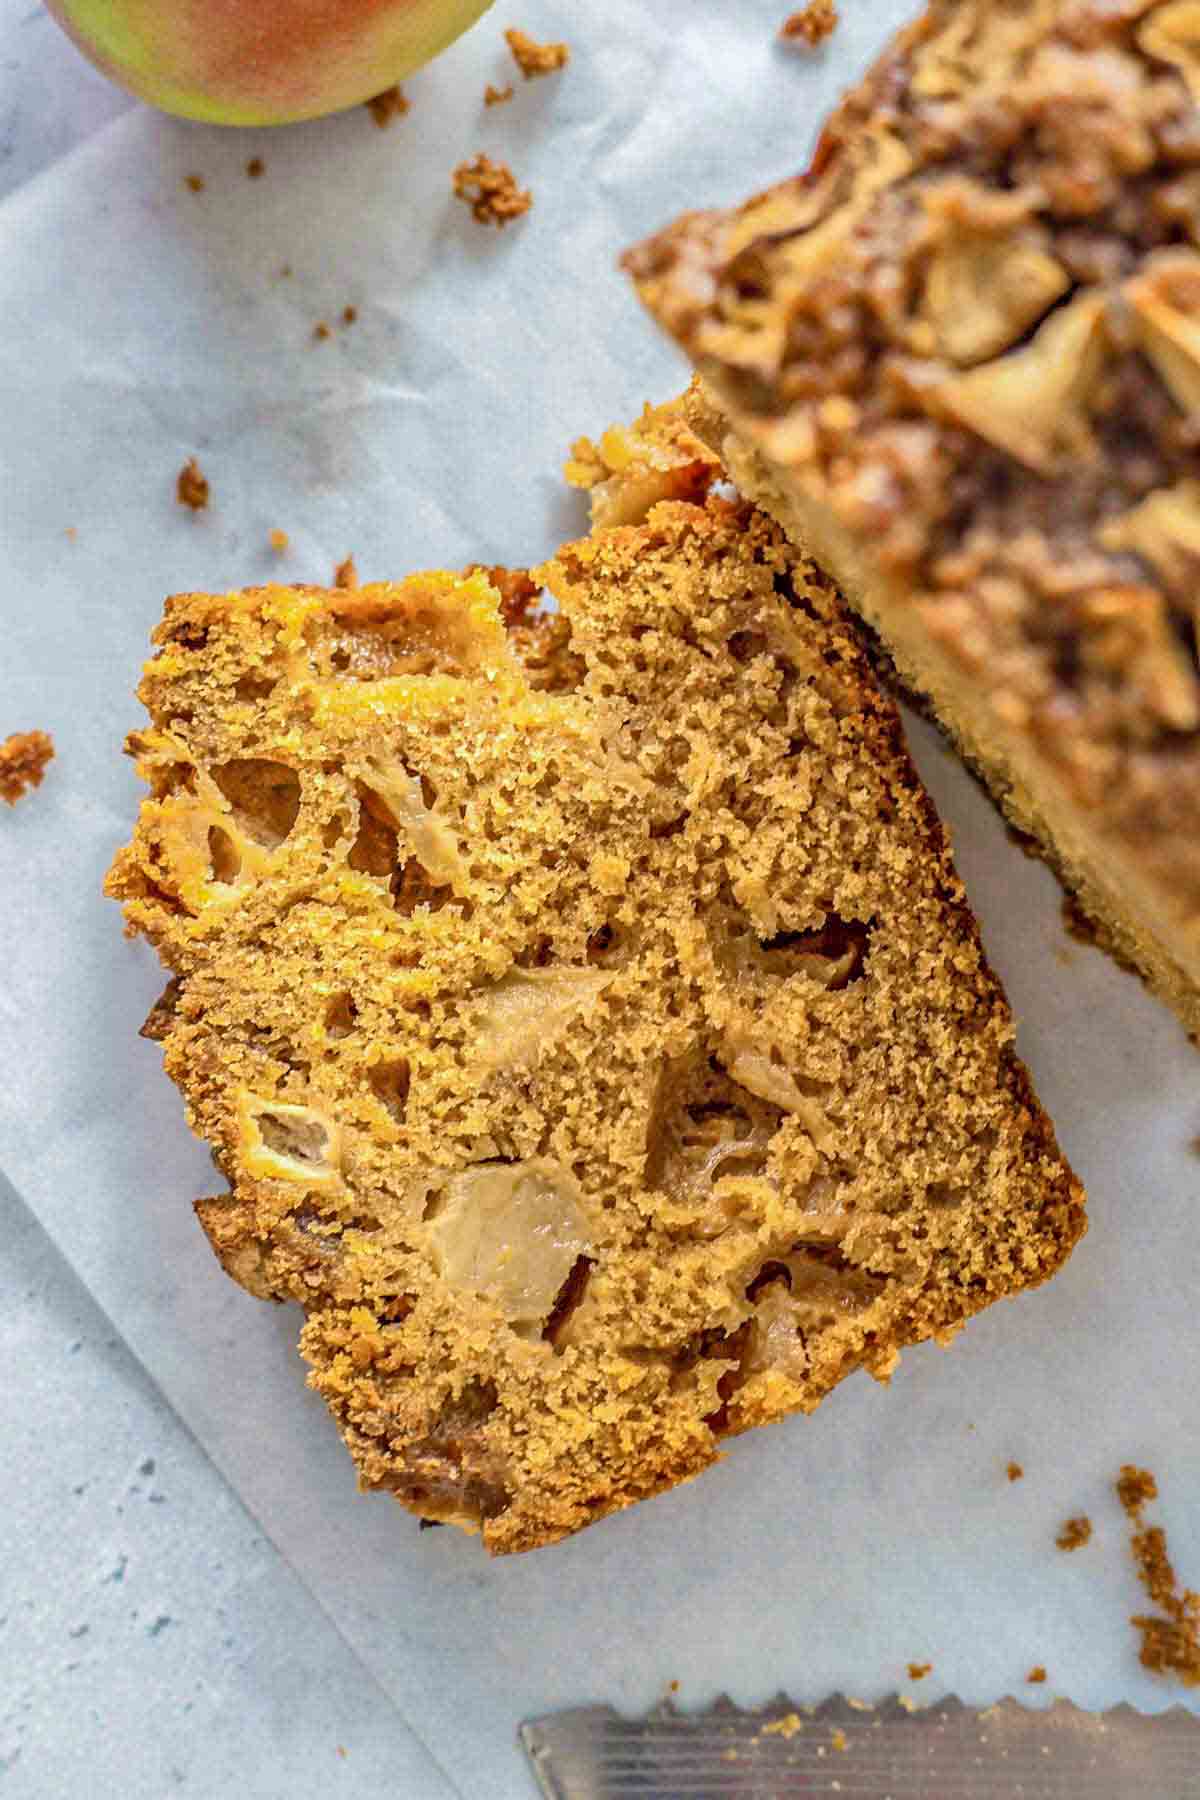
(490, 190)
(191, 486)
(972, 332)
(811, 25)
(535, 59)
(23, 759)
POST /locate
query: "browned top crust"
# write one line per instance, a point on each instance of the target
(972, 332)
(587, 1019)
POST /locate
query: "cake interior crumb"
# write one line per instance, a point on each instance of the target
(23, 759)
(279, 541)
(1015, 1472)
(533, 58)
(1171, 1637)
(194, 184)
(917, 1671)
(191, 486)
(811, 25)
(490, 189)
(255, 167)
(1075, 1533)
(497, 96)
(321, 331)
(1036, 1675)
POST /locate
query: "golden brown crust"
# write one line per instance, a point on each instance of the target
(968, 342)
(23, 759)
(597, 1043)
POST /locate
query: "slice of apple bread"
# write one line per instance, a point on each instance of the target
(583, 1010)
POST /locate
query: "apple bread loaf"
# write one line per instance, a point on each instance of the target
(959, 359)
(581, 1007)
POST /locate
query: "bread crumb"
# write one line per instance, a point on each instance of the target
(194, 184)
(786, 1727)
(23, 759)
(279, 541)
(839, 1739)
(1171, 1637)
(1075, 1533)
(1015, 1472)
(346, 574)
(1036, 1674)
(191, 486)
(1134, 1488)
(321, 331)
(387, 106)
(494, 96)
(490, 190)
(533, 58)
(255, 167)
(349, 314)
(918, 1671)
(811, 25)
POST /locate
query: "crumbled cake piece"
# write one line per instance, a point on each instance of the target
(535, 59)
(490, 190)
(23, 759)
(321, 331)
(191, 486)
(1015, 1472)
(1036, 1675)
(497, 96)
(960, 360)
(346, 574)
(1170, 1638)
(256, 167)
(917, 1671)
(194, 184)
(629, 468)
(278, 540)
(1075, 1533)
(349, 315)
(811, 25)
(385, 107)
(601, 1052)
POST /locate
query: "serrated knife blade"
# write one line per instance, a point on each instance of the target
(892, 1751)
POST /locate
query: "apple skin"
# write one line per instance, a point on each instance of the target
(261, 62)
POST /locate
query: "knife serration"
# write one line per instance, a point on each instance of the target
(893, 1751)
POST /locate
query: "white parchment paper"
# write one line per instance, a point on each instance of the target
(141, 323)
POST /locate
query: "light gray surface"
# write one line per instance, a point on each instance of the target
(827, 1552)
(152, 1640)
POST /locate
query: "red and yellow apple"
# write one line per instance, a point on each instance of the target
(261, 62)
